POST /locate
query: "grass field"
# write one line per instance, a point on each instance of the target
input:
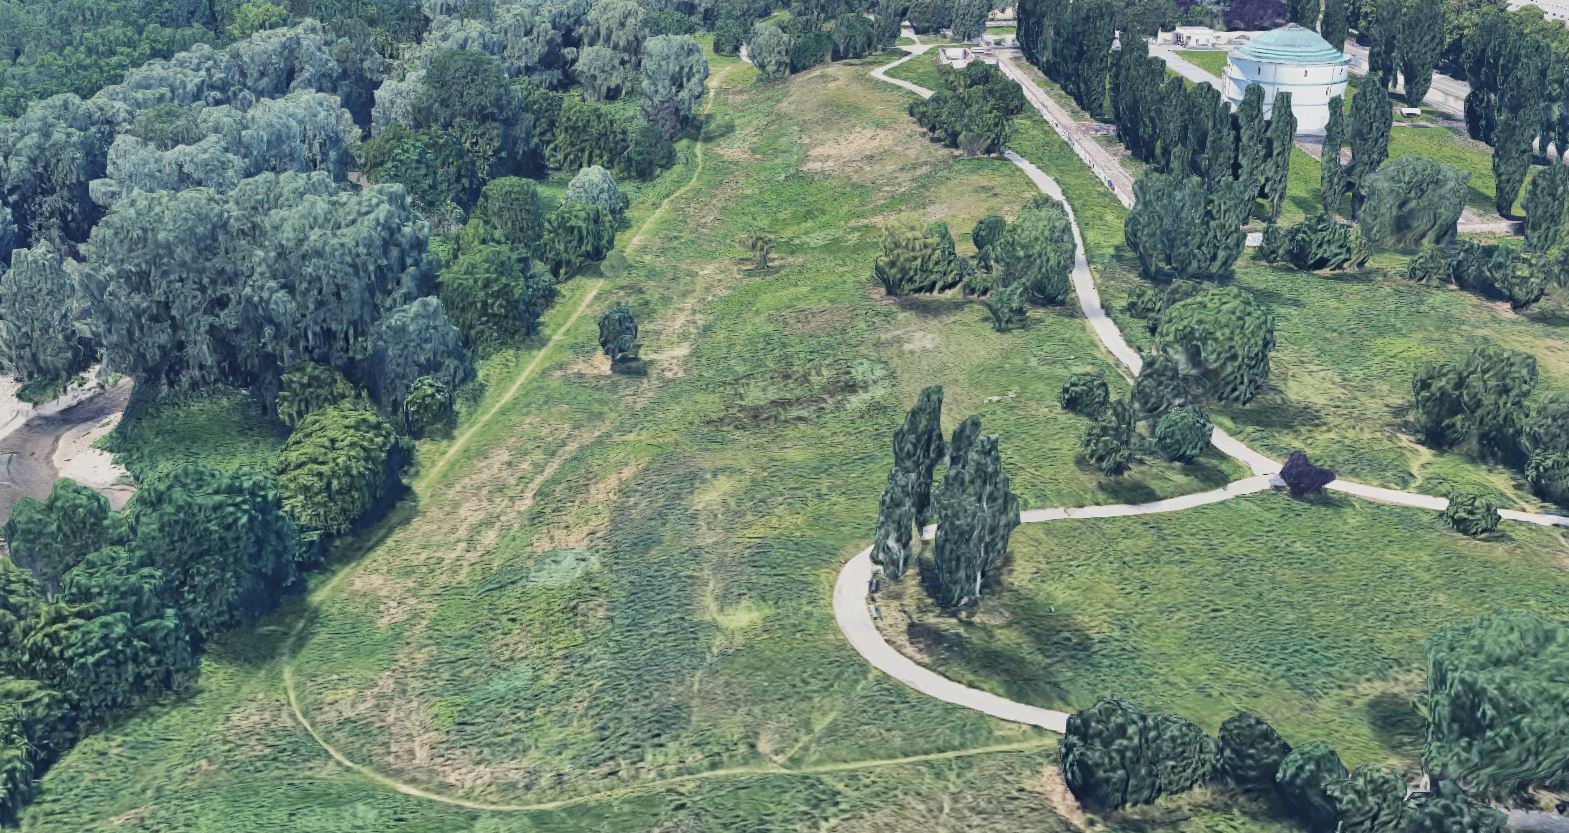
(606, 605)
(1456, 150)
(1312, 615)
(922, 69)
(1212, 61)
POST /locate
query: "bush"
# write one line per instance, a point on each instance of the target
(1471, 512)
(1319, 242)
(493, 295)
(309, 387)
(1006, 306)
(426, 407)
(1411, 202)
(1303, 777)
(1251, 752)
(1182, 435)
(1430, 264)
(1085, 393)
(1302, 477)
(1113, 755)
(1111, 443)
(338, 466)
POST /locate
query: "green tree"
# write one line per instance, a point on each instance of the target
(976, 515)
(1037, 251)
(769, 50)
(615, 25)
(1371, 122)
(1430, 264)
(1413, 202)
(601, 72)
(595, 186)
(510, 206)
(1332, 174)
(1420, 41)
(918, 447)
(1222, 337)
(493, 295)
(1369, 800)
(1251, 752)
(1303, 13)
(1495, 704)
(308, 387)
(1304, 778)
(1319, 242)
(1471, 512)
(1448, 809)
(577, 233)
(1334, 24)
(340, 465)
(1517, 120)
(914, 259)
(648, 152)
(895, 519)
(1546, 199)
(1252, 143)
(618, 335)
(51, 536)
(1548, 474)
(1383, 35)
(987, 231)
(674, 72)
(1178, 229)
(1158, 387)
(586, 134)
(1007, 307)
(1114, 755)
(412, 341)
(427, 407)
(761, 245)
(1182, 435)
(221, 541)
(40, 338)
(1085, 393)
(1110, 444)
(1281, 136)
(466, 94)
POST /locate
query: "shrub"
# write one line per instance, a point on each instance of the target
(1319, 242)
(309, 387)
(1251, 752)
(426, 407)
(1006, 306)
(1430, 264)
(1471, 512)
(341, 463)
(1182, 435)
(1113, 755)
(1111, 442)
(1302, 477)
(1303, 777)
(1085, 393)
(1411, 202)
(493, 295)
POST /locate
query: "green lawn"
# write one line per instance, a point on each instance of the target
(1212, 61)
(605, 582)
(1446, 146)
(922, 69)
(1312, 615)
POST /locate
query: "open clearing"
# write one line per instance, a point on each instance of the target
(611, 598)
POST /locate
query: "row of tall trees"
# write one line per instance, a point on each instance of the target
(972, 505)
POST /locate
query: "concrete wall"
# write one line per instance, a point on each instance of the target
(1311, 88)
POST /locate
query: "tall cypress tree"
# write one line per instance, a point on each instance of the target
(918, 447)
(895, 518)
(1334, 25)
(1332, 174)
(1220, 148)
(1517, 119)
(1421, 40)
(1304, 13)
(1383, 51)
(1281, 136)
(1252, 143)
(976, 515)
(1371, 121)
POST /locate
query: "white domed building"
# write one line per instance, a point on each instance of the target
(1293, 60)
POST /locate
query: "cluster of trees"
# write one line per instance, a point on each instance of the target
(1406, 39)
(973, 110)
(1221, 337)
(1502, 270)
(1179, 430)
(1318, 242)
(1368, 135)
(972, 505)
(1486, 404)
(815, 32)
(1115, 755)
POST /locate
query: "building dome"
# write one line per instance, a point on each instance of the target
(1292, 60)
(1290, 44)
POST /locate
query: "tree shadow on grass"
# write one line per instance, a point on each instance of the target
(1395, 723)
(1274, 410)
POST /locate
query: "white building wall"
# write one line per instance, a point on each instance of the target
(1311, 88)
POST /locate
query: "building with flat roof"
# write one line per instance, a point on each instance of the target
(1293, 60)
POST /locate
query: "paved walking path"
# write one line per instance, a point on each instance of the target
(853, 611)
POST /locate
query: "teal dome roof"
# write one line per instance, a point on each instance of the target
(1290, 44)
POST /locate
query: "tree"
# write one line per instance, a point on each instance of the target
(976, 515)
(1085, 393)
(648, 152)
(40, 339)
(594, 185)
(221, 540)
(1334, 24)
(616, 25)
(510, 206)
(1007, 307)
(1548, 474)
(761, 245)
(1252, 145)
(308, 387)
(769, 50)
(1158, 387)
(1251, 752)
(1371, 122)
(493, 295)
(1303, 12)
(466, 93)
(1317, 242)
(1180, 230)
(1304, 777)
(1448, 809)
(1516, 119)
(1383, 35)
(430, 164)
(1182, 434)
(1037, 251)
(1495, 710)
(577, 233)
(1111, 442)
(1471, 512)
(1420, 41)
(602, 72)
(1412, 202)
(673, 76)
(1546, 428)
(1430, 264)
(1302, 477)
(587, 134)
(1281, 136)
(51, 536)
(618, 336)
(412, 341)
(1333, 174)
(1114, 755)
(916, 259)
(1222, 337)
(340, 465)
(895, 518)
(1546, 199)
(1369, 800)
(426, 407)
(918, 447)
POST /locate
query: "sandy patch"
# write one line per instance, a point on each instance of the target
(77, 458)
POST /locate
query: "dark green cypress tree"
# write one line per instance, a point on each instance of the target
(1304, 13)
(1332, 174)
(1334, 25)
(1383, 51)
(918, 447)
(1281, 138)
(1545, 202)
(1421, 41)
(1517, 120)
(1252, 144)
(895, 518)
(1371, 121)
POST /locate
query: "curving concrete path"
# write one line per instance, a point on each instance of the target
(853, 611)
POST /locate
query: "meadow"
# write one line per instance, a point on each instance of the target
(605, 603)
(1311, 614)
